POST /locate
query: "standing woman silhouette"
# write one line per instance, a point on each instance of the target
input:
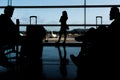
(64, 26)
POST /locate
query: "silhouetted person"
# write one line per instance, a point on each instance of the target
(87, 49)
(8, 30)
(63, 61)
(64, 26)
(113, 38)
(92, 54)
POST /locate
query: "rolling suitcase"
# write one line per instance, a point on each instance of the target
(35, 35)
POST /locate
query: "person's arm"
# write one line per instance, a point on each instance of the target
(60, 19)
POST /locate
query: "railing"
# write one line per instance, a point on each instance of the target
(66, 6)
(68, 24)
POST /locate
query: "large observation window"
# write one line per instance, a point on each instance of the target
(79, 11)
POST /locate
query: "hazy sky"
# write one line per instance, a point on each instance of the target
(58, 2)
(51, 16)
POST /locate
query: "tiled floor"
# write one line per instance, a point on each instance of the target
(51, 67)
(57, 70)
(48, 71)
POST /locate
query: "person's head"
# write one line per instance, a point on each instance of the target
(64, 13)
(114, 13)
(9, 11)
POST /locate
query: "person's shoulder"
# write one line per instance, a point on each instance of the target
(2, 15)
(2, 18)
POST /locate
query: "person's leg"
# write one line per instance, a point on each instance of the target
(59, 38)
(76, 59)
(65, 36)
(60, 35)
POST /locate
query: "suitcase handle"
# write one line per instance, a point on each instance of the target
(31, 19)
(98, 17)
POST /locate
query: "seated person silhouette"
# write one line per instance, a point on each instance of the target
(87, 48)
(8, 30)
(113, 35)
(108, 45)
